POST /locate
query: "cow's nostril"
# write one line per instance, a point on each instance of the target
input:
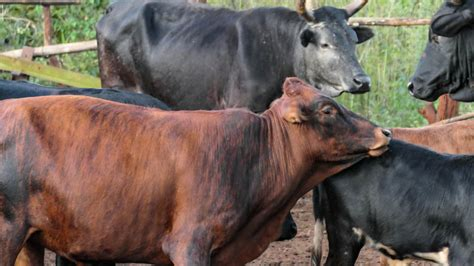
(387, 133)
(361, 81)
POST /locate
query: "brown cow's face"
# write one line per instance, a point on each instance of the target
(331, 131)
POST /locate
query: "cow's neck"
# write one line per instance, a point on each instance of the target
(299, 62)
(282, 30)
(291, 163)
(461, 70)
(287, 169)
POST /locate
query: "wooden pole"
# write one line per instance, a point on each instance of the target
(41, 2)
(390, 22)
(26, 54)
(455, 119)
(447, 108)
(48, 33)
(50, 73)
(57, 49)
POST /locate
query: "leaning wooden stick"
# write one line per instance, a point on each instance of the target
(57, 49)
(455, 119)
(392, 22)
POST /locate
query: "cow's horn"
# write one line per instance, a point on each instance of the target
(355, 6)
(301, 9)
(456, 2)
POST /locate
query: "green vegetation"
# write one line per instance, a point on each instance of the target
(389, 58)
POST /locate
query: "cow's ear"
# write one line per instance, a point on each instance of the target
(306, 37)
(293, 114)
(292, 86)
(295, 108)
(363, 34)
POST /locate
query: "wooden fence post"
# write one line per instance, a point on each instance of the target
(447, 108)
(26, 54)
(48, 33)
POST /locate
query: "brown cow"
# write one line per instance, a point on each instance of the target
(185, 187)
(456, 138)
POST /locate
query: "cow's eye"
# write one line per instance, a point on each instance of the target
(327, 110)
(325, 46)
(434, 38)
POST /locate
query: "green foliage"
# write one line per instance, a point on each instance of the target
(389, 58)
(22, 25)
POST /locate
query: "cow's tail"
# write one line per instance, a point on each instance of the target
(317, 251)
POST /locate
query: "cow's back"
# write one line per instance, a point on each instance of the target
(454, 138)
(158, 45)
(19, 89)
(195, 56)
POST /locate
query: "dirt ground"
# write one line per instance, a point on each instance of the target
(298, 250)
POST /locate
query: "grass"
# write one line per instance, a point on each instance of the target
(389, 58)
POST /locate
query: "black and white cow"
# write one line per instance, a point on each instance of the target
(410, 203)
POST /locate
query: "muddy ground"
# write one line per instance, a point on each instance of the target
(298, 250)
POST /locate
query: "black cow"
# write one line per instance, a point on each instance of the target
(18, 89)
(193, 56)
(447, 64)
(409, 203)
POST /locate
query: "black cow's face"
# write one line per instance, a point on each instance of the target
(328, 53)
(446, 67)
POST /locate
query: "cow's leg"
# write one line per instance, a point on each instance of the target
(344, 245)
(456, 255)
(61, 261)
(289, 229)
(317, 250)
(189, 247)
(30, 255)
(343, 253)
(12, 237)
(318, 211)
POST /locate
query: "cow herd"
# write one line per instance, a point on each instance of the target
(117, 176)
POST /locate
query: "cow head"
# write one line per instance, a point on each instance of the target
(447, 65)
(330, 130)
(326, 55)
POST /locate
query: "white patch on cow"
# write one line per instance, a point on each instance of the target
(404, 262)
(138, 89)
(358, 232)
(317, 25)
(440, 257)
(372, 243)
(318, 238)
